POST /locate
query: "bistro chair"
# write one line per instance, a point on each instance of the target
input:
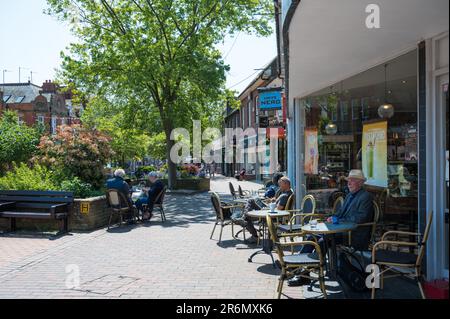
(159, 204)
(119, 205)
(307, 206)
(338, 203)
(373, 227)
(297, 264)
(232, 190)
(223, 215)
(243, 193)
(398, 262)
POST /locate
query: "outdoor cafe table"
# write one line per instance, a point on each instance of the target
(267, 244)
(330, 230)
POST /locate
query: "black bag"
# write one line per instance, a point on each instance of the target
(351, 271)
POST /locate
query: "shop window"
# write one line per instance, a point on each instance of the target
(388, 157)
(356, 109)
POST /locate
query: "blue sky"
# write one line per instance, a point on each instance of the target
(32, 40)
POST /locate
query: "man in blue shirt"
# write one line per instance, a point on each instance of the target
(272, 190)
(357, 208)
(150, 197)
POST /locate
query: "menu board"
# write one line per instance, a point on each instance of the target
(374, 153)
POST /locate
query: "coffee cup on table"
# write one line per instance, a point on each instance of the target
(272, 207)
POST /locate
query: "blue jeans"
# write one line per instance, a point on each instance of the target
(140, 202)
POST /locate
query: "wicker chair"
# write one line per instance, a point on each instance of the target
(299, 213)
(159, 204)
(398, 262)
(295, 264)
(119, 205)
(222, 219)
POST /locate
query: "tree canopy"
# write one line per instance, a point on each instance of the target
(157, 55)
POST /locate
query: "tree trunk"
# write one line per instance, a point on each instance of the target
(171, 166)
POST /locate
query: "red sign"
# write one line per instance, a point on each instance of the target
(277, 132)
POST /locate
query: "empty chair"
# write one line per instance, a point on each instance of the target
(223, 215)
(297, 264)
(386, 254)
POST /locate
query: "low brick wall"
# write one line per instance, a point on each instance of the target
(87, 214)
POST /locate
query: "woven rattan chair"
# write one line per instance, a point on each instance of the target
(119, 205)
(159, 204)
(295, 264)
(398, 262)
(222, 219)
(307, 207)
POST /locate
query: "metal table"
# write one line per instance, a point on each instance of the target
(329, 231)
(267, 244)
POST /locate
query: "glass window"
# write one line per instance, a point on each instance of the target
(335, 123)
(356, 109)
(19, 99)
(6, 98)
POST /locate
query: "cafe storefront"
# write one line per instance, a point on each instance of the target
(373, 99)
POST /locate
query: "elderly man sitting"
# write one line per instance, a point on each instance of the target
(254, 204)
(357, 208)
(150, 195)
(118, 182)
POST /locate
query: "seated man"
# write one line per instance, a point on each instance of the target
(118, 182)
(156, 186)
(357, 208)
(272, 190)
(254, 204)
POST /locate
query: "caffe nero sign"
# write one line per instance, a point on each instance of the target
(270, 100)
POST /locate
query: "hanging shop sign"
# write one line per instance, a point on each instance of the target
(311, 152)
(270, 100)
(374, 153)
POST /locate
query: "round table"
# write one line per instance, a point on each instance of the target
(267, 244)
(330, 230)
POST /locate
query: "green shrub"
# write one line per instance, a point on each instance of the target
(23, 177)
(79, 188)
(18, 142)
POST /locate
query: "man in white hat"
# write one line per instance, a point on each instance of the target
(357, 208)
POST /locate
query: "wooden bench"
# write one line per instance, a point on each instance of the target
(36, 205)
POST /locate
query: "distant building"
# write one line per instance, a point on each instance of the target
(35, 104)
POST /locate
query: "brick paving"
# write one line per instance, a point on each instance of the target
(175, 259)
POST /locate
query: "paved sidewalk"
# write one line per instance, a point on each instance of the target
(175, 259)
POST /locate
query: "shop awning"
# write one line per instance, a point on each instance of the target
(329, 40)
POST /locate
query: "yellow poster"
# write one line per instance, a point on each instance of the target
(311, 152)
(374, 153)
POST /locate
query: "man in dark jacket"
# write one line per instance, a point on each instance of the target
(118, 182)
(358, 209)
(156, 186)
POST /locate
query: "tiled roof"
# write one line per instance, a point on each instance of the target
(17, 90)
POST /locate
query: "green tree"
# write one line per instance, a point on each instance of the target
(158, 54)
(127, 142)
(18, 142)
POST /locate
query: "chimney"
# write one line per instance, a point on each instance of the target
(48, 87)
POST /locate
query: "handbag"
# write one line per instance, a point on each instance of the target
(351, 271)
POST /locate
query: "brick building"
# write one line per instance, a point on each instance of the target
(35, 104)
